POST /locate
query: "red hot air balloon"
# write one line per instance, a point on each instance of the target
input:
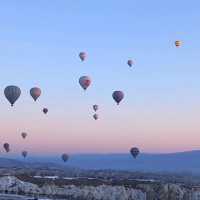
(64, 157)
(82, 56)
(12, 93)
(6, 147)
(130, 63)
(85, 82)
(45, 110)
(118, 96)
(134, 152)
(24, 154)
(24, 135)
(35, 93)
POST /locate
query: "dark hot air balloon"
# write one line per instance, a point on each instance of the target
(95, 116)
(12, 93)
(134, 152)
(85, 82)
(95, 107)
(65, 157)
(82, 56)
(24, 135)
(130, 63)
(118, 96)
(45, 110)
(35, 93)
(6, 146)
(24, 154)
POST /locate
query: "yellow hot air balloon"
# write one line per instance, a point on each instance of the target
(178, 43)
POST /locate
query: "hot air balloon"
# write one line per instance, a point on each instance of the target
(82, 56)
(45, 110)
(85, 82)
(118, 96)
(95, 107)
(35, 93)
(130, 63)
(95, 116)
(24, 154)
(12, 93)
(6, 146)
(64, 157)
(24, 135)
(178, 43)
(134, 152)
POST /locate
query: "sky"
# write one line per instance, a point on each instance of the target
(39, 46)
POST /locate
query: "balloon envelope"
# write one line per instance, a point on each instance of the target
(95, 107)
(45, 110)
(118, 96)
(134, 152)
(130, 63)
(12, 93)
(6, 147)
(82, 56)
(95, 116)
(24, 154)
(85, 82)
(24, 135)
(64, 157)
(178, 43)
(35, 93)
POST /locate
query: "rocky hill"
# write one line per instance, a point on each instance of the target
(141, 191)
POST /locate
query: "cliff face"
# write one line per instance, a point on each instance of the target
(166, 192)
(103, 192)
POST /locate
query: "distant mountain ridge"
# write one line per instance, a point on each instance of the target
(172, 162)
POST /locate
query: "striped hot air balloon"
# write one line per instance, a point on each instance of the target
(12, 93)
(178, 43)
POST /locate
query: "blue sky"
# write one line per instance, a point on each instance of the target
(39, 45)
